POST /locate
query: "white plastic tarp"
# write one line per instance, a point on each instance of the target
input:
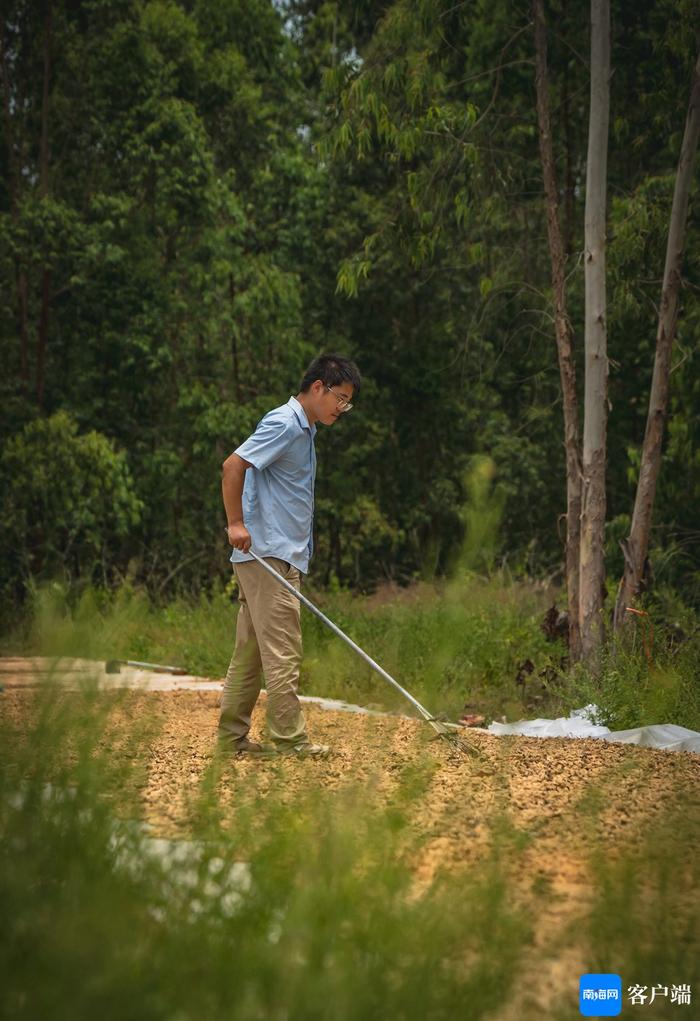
(582, 723)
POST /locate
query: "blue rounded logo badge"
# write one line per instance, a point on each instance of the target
(600, 995)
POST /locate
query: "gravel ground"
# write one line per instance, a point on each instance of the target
(537, 788)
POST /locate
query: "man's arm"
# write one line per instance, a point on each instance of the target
(234, 469)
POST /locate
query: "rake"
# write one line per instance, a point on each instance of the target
(447, 731)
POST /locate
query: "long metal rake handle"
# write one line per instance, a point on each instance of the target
(353, 645)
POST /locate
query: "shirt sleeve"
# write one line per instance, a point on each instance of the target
(271, 438)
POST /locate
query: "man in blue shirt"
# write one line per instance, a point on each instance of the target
(268, 491)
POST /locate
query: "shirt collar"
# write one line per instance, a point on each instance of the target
(301, 415)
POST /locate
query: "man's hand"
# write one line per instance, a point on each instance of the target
(239, 536)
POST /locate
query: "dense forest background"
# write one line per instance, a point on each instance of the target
(199, 197)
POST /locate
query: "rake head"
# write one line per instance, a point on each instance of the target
(452, 733)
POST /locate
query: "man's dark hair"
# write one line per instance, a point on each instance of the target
(332, 370)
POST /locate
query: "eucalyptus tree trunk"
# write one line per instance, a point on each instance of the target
(635, 546)
(563, 331)
(592, 567)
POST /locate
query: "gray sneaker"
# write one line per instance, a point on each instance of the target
(306, 751)
(254, 750)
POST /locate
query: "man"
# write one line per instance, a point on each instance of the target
(268, 491)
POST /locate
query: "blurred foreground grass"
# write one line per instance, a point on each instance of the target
(473, 641)
(301, 910)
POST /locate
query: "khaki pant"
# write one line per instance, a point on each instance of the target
(268, 642)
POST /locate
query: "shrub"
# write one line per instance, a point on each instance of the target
(66, 502)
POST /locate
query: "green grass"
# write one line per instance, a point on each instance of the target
(328, 924)
(643, 922)
(462, 642)
(126, 624)
(637, 687)
(448, 645)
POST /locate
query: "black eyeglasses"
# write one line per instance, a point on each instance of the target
(343, 403)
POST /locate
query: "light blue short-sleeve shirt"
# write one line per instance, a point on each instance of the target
(278, 492)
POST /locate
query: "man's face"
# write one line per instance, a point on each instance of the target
(331, 402)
